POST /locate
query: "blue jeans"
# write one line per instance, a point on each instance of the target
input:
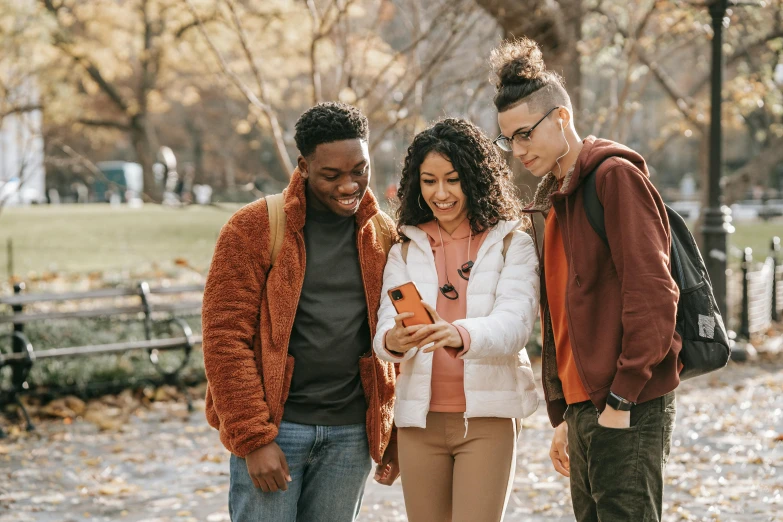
(329, 466)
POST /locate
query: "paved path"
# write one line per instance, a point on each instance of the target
(157, 464)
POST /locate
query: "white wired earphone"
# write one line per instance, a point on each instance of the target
(568, 149)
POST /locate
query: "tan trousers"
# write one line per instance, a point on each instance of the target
(449, 477)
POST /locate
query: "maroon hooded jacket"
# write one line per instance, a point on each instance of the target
(621, 300)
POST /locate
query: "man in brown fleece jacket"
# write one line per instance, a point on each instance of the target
(295, 390)
(610, 350)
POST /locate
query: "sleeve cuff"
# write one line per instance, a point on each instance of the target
(628, 385)
(459, 352)
(244, 448)
(394, 355)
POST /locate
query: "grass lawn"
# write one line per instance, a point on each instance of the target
(756, 235)
(84, 238)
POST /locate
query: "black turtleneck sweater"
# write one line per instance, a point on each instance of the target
(331, 330)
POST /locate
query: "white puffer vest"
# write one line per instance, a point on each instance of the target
(502, 302)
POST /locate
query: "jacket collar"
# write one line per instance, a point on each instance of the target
(494, 235)
(542, 200)
(295, 206)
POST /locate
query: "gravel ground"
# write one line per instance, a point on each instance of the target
(133, 459)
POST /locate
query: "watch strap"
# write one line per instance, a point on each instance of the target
(618, 403)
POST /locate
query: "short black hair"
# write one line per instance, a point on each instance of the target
(328, 122)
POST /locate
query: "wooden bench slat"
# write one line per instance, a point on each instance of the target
(23, 299)
(99, 312)
(159, 344)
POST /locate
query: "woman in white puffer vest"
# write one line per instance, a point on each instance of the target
(465, 379)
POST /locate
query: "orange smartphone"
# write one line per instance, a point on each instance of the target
(406, 298)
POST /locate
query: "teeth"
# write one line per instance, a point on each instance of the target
(350, 201)
(445, 206)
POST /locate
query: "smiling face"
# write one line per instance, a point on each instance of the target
(337, 175)
(441, 190)
(547, 143)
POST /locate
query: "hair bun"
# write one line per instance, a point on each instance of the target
(517, 61)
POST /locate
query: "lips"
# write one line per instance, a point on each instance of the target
(348, 202)
(444, 206)
(529, 163)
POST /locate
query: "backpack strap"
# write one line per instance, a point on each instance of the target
(593, 206)
(382, 232)
(274, 207)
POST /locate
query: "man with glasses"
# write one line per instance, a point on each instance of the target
(608, 307)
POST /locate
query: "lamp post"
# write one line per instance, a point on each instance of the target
(717, 218)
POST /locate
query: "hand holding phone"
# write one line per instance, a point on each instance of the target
(412, 315)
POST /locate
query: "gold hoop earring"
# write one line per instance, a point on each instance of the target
(418, 199)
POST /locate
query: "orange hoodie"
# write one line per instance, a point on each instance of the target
(448, 370)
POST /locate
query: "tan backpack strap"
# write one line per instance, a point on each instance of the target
(274, 207)
(507, 243)
(405, 246)
(382, 232)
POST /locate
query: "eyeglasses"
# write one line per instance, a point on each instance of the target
(506, 143)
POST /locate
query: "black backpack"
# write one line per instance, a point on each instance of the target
(705, 343)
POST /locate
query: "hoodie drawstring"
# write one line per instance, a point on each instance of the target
(466, 427)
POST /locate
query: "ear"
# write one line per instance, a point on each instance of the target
(564, 115)
(301, 162)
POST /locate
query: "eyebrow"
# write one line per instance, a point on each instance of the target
(333, 169)
(433, 175)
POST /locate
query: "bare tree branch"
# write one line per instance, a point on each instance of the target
(439, 18)
(441, 55)
(21, 109)
(738, 55)
(179, 33)
(322, 28)
(682, 101)
(105, 123)
(262, 104)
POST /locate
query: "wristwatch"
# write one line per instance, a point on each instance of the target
(618, 403)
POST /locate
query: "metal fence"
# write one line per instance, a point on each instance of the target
(760, 287)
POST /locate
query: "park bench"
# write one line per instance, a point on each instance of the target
(19, 354)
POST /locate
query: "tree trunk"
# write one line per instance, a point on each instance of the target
(145, 155)
(756, 172)
(557, 29)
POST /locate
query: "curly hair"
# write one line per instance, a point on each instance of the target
(521, 75)
(484, 176)
(328, 122)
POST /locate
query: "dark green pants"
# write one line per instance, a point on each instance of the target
(617, 474)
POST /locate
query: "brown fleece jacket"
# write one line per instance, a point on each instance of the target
(247, 316)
